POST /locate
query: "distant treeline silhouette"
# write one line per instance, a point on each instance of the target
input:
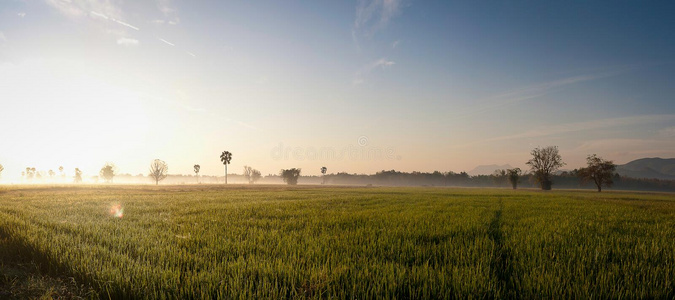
(568, 180)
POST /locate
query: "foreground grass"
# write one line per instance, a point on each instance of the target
(279, 242)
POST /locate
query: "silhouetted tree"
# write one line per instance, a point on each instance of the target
(290, 176)
(197, 168)
(499, 177)
(599, 171)
(63, 175)
(544, 162)
(323, 174)
(51, 173)
(514, 176)
(158, 170)
(226, 157)
(108, 172)
(78, 175)
(251, 174)
(30, 173)
(1, 169)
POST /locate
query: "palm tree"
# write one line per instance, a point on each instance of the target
(323, 171)
(197, 167)
(226, 157)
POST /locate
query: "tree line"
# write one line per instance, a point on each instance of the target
(544, 172)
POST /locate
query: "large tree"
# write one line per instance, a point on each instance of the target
(545, 161)
(108, 172)
(226, 157)
(158, 170)
(197, 168)
(290, 176)
(599, 171)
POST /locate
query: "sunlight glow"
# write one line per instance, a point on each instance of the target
(117, 211)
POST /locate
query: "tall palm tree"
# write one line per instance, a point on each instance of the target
(197, 167)
(226, 157)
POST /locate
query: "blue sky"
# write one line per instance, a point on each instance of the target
(356, 86)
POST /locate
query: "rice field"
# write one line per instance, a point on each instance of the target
(243, 242)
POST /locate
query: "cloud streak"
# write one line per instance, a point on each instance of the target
(100, 15)
(360, 75)
(373, 16)
(587, 126)
(166, 42)
(127, 42)
(517, 96)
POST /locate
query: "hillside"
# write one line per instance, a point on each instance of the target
(658, 168)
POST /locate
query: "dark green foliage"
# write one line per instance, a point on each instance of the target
(290, 176)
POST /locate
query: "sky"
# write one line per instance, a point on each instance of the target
(356, 86)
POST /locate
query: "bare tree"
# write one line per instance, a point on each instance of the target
(290, 176)
(158, 170)
(226, 157)
(323, 174)
(544, 162)
(599, 171)
(197, 168)
(251, 174)
(108, 172)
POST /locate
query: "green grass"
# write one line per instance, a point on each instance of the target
(309, 242)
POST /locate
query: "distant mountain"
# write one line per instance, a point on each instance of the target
(487, 169)
(658, 168)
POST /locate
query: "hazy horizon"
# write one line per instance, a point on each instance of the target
(356, 86)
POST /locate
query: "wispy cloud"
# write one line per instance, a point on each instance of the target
(668, 132)
(127, 42)
(169, 12)
(519, 95)
(381, 63)
(80, 8)
(373, 16)
(395, 44)
(629, 149)
(21, 14)
(587, 126)
(191, 54)
(166, 42)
